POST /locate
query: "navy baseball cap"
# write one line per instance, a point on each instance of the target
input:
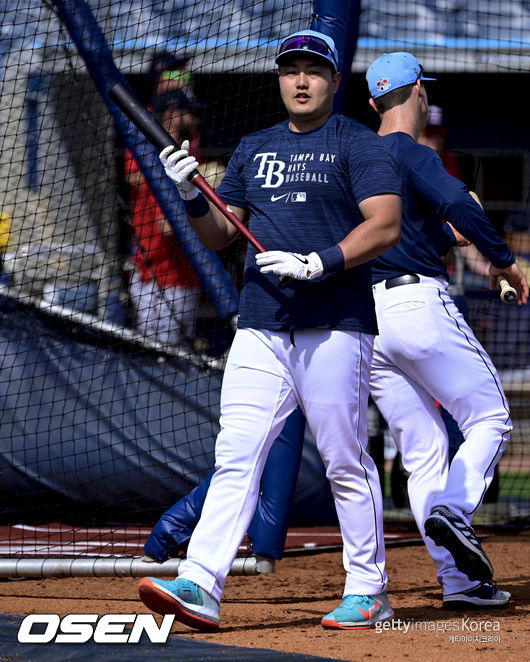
(392, 71)
(310, 41)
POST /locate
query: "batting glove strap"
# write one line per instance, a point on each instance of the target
(293, 265)
(178, 166)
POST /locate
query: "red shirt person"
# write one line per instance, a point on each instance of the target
(164, 287)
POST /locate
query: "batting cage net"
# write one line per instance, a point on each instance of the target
(115, 321)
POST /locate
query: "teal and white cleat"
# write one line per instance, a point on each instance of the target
(357, 612)
(190, 603)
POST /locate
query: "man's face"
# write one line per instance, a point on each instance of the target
(178, 122)
(307, 86)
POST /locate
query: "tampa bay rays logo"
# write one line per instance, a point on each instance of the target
(270, 169)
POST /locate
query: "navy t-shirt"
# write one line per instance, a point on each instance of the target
(302, 192)
(431, 194)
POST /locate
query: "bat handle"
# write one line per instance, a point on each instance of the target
(508, 293)
(209, 192)
(212, 196)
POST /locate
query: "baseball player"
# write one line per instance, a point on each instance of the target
(323, 209)
(426, 350)
(409, 403)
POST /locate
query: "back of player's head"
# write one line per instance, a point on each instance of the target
(392, 71)
(309, 42)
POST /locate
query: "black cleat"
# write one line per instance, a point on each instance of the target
(449, 531)
(483, 596)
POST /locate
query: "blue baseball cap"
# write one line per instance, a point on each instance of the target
(310, 41)
(392, 71)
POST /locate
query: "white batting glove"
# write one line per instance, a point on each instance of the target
(178, 166)
(294, 265)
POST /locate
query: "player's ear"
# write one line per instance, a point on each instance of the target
(336, 80)
(373, 104)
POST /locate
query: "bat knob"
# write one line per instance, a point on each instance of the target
(508, 293)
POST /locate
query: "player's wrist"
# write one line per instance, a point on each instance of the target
(332, 259)
(188, 195)
(503, 264)
(198, 206)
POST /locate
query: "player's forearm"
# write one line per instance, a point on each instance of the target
(369, 240)
(380, 231)
(464, 211)
(213, 229)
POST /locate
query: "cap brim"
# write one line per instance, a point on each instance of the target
(305, 51)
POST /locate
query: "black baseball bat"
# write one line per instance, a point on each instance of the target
(155, 133)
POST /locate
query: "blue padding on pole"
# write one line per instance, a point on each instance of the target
(339, 19)
(87, 35)
(174, 528)
(268, 529)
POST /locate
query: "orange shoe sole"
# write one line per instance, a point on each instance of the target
(161, 603)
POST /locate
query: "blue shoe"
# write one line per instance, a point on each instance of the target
(190, 603)
(357, 612)
(483, 596)
(449, 531)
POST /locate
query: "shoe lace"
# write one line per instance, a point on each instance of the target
(188, 586)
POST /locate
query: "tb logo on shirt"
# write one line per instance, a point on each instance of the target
(270, 169)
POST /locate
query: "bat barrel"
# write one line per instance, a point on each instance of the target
(141, 117)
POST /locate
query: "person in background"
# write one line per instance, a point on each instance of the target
(434, 135)
(169, 72)
(5, 228)
(505, 332)
(164, 289)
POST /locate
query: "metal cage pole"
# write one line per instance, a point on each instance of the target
(133, 566)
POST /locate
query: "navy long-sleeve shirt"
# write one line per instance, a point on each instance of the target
(431, 194)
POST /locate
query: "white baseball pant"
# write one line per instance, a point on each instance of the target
(326, 372)
(425, 350)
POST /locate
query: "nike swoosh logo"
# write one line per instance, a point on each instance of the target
(278, 197)
(373, 610)
(304, 261)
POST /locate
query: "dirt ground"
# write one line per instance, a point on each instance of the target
(282, 611)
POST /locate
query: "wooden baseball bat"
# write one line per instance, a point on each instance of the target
(508, 293)
(151, 128)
